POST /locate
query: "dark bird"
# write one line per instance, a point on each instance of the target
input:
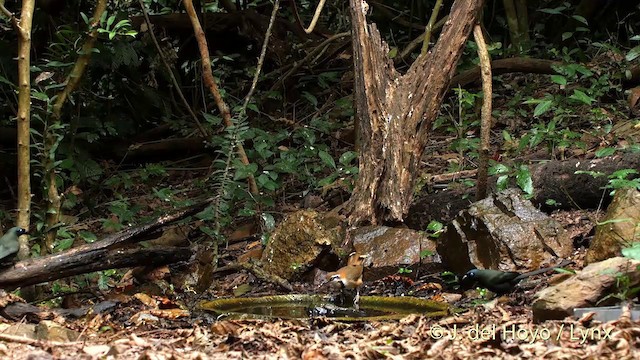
(350, 276)
(9, 244)
(501, 282)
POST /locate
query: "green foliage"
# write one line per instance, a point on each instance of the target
(566, 11)
(632, 252)
(434, 229)
(521, 174)
(617, 180)
(463, 124)
(624, 289)
(107, 26)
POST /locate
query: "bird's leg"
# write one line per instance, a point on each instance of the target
(356, 300)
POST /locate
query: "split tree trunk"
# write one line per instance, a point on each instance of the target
(396, 111)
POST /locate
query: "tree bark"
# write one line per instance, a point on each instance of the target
(23, 26)
(396, 111)
(485, 122)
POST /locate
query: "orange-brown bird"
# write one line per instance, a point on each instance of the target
(350, 276)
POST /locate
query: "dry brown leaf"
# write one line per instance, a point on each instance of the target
(146, 300)
(170, 314)
(225, 328)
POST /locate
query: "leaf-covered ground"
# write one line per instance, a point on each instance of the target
(491, 331)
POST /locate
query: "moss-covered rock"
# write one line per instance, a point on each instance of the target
(297, 242)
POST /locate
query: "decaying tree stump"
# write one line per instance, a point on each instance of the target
(396, 111)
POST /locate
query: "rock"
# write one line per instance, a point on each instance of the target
(612, 235)
(504, 232)
(50, 331)
(391, 248)
(297, 242)
(21, 330)
(584, 289)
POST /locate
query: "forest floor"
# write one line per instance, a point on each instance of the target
(151, 321)
(154, 327)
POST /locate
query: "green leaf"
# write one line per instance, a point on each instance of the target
(328, 180)
(608, 151)
(543, 107)
(559, 79)
(244, 171)
(564, 271)
(435, 226)
(632, 252)
(268, 221)
(241, 290)
(84, 18)
(581, 19)
(5, 81)
(121, 23)
(87, 236)
(207, 214)
(40, 96)
(566, 35)
(112, 18)
(425, 253)
(312, 99)
(506, 136)
(253, 107)
(633, 53)
(502, 182)
(498, 169)
(523, 179)
(554, 11)
(393, 52)
(347, 157)
(63, 244)
(582, 97)
(622, 173)
(327, 159)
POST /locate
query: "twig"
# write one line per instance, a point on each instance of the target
(310, 55)
(442, 178)
(258, 272)
(40, 343)
(417, 41)
(267, 35)
(429, 28)
(201, 128)
(210, 82)
(485, 122)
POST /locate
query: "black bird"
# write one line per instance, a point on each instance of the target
(501, 282)
(9, 244)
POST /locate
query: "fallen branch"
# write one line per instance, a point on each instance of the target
(258, 272)
(100, 255)
(503, 66)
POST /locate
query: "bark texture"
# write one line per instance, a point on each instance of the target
(396, 111)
